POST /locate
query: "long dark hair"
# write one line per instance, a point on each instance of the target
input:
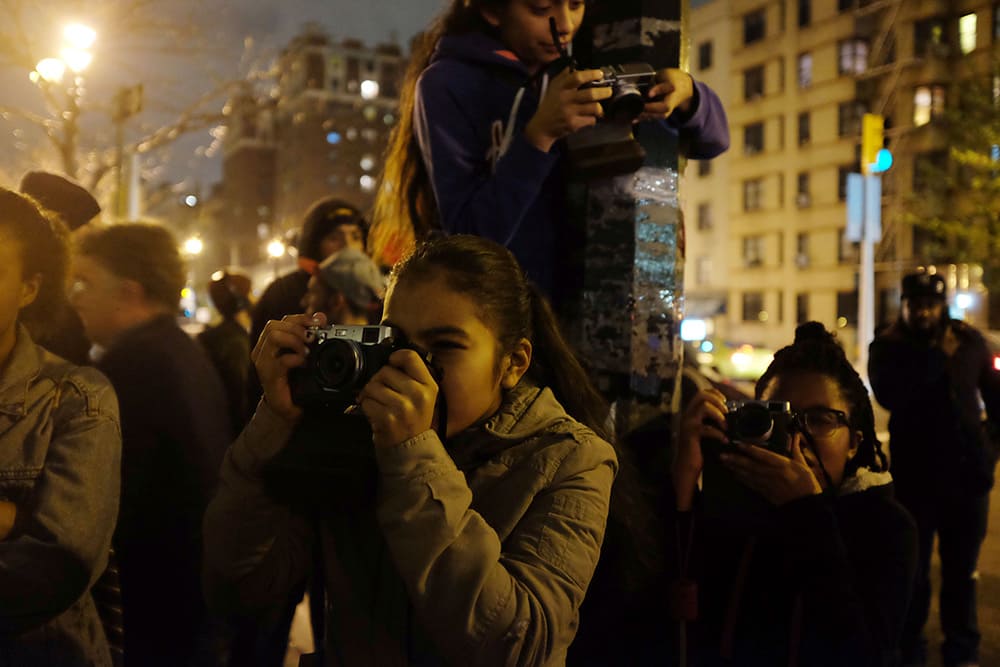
(815, 350)
(514, 309)
(405, 208)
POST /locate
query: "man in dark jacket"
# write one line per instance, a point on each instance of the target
(175, 430)
(934, 374)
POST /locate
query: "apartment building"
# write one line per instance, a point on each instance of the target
(765, 223)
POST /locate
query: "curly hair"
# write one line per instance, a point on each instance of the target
(816, 350)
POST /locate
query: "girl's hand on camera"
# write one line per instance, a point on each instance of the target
(677, 88)
(281, 347)
(778, 478)
(704, 417)
(399, 400)
(566, 107)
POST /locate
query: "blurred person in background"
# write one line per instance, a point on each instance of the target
(59, 329)
(330, 225)
(228, 343)
(935, 375)
(60, 470)
(175, 429)
(348, 287)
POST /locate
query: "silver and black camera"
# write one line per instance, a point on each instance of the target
(609, 148)
(341, 360)
(629, 84)
(763, 423)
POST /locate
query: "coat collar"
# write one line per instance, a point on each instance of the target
(21, 369)
(526, 411)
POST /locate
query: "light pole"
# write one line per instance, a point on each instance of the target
(74, 57)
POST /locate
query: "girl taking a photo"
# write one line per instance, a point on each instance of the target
(481, 543)
(824, 578)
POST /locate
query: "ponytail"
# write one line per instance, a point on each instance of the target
(554, 365)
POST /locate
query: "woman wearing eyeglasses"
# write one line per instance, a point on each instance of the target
(823, 577)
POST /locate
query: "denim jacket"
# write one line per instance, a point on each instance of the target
(60, 456)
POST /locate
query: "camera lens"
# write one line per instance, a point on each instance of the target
(753, 422)
(338, 364)
(626, 102)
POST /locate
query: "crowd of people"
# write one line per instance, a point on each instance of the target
(441, 475)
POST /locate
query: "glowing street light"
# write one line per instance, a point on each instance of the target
(49, 70)
(194, 246)
(79, 36)
(276, 249)
(76, 59)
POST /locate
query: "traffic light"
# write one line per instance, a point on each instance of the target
(871, 141)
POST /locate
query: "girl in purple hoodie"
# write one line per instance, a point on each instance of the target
(478, 148)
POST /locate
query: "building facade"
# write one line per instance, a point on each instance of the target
(316, 127)
(766, 223)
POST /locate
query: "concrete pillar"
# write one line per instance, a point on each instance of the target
(624, 316)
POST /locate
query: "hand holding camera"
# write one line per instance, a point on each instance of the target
(281, 347)
(400, 401)
(568, 105)
(674, 90)
(779, 479)
(704, 418)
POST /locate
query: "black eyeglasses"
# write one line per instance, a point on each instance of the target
(819, 422)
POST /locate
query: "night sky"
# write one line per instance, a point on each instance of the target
(237, 36)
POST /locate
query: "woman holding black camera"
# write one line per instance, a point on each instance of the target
(478, 147)
(488, 518)
(824, 576)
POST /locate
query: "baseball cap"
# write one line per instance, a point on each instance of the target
(917, 285)
(60, 195)
(353, 274)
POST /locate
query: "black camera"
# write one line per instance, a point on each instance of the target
(762, 423)
(341, 360)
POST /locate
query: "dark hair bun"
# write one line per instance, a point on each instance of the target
(813, 332)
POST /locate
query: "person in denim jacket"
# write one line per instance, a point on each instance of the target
(60, 452)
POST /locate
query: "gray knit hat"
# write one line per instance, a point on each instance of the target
(353, 274)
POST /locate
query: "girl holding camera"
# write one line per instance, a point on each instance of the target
(826, 579)
(478, 147)
(480, 544)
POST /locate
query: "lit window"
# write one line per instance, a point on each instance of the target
(967, 33)
(753, 194)
(928, 104)
(853, 56)
(805, 70)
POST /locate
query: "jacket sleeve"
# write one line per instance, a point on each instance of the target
(473, 198)
(60, 541)
(256, 550)
(703, 133)
(855, 608)
(485, 601)
(901, 372)
(989, 386)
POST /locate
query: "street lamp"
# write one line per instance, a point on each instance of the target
(74, 56)
(194, 245)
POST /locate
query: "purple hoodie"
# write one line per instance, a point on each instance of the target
(471, 110)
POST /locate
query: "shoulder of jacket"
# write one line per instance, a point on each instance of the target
(80, 387)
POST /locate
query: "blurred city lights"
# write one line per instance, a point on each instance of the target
(693, 329)
(76, 59)
(194, 246)
(367, 183)
(191, 201)
(333, 138)
(369, 89)
(367, 162)
(79, 36)
(276, 248)
(49, 69)
(963, 300)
